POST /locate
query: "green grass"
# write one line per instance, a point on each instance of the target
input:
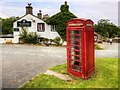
(106, 76)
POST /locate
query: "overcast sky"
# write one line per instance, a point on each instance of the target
(92, 9)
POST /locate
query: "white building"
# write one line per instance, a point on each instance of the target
(33, 24)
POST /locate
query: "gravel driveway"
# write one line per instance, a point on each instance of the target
(22, 62)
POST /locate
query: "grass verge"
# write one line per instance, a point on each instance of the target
(106, 77)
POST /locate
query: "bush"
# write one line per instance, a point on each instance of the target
(30, 38)
(46, 41)
(57, 41)
(51, 40)
(97, 47)
(23, 34)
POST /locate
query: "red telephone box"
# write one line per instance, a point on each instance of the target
(80, 47)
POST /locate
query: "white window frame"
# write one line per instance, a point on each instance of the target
(53, 28)
(41, 28)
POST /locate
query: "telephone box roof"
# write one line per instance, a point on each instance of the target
(83, 19)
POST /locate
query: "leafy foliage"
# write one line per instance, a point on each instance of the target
(60, 19)
(30, 38)
(97, 47)
(46, 41)
(57, 41)
(7, 25)
(51, 40)
(107, 29)
(0, 25)
(23, 34)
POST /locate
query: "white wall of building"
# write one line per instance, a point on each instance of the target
(5, 40)
(2, 40)
(46, 34)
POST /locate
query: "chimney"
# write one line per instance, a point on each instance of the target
(39, 15)
(46, 16)
(64, 7)
(29, 9)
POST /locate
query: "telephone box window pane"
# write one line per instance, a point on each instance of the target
(40, 27)
(75, 63)
(75, 48)
(74, 58)
(74, 52)
(74, 32)
(74, 37)
(77, 53)
(75, 67)
(75, 42)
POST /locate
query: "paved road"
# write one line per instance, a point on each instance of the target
(107, 46)
(110, 50)
(22, 62)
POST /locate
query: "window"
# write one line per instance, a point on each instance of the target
(40, 27)
(16, 29)
(53, 28)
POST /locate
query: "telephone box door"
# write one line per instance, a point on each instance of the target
(74, 42)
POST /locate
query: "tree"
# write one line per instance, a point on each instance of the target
(0, 19)
(0, 25)
(60, 19)
(7, 25)
(107, 29)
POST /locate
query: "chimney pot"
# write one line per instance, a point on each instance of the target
(40, 14)
(29, 9)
